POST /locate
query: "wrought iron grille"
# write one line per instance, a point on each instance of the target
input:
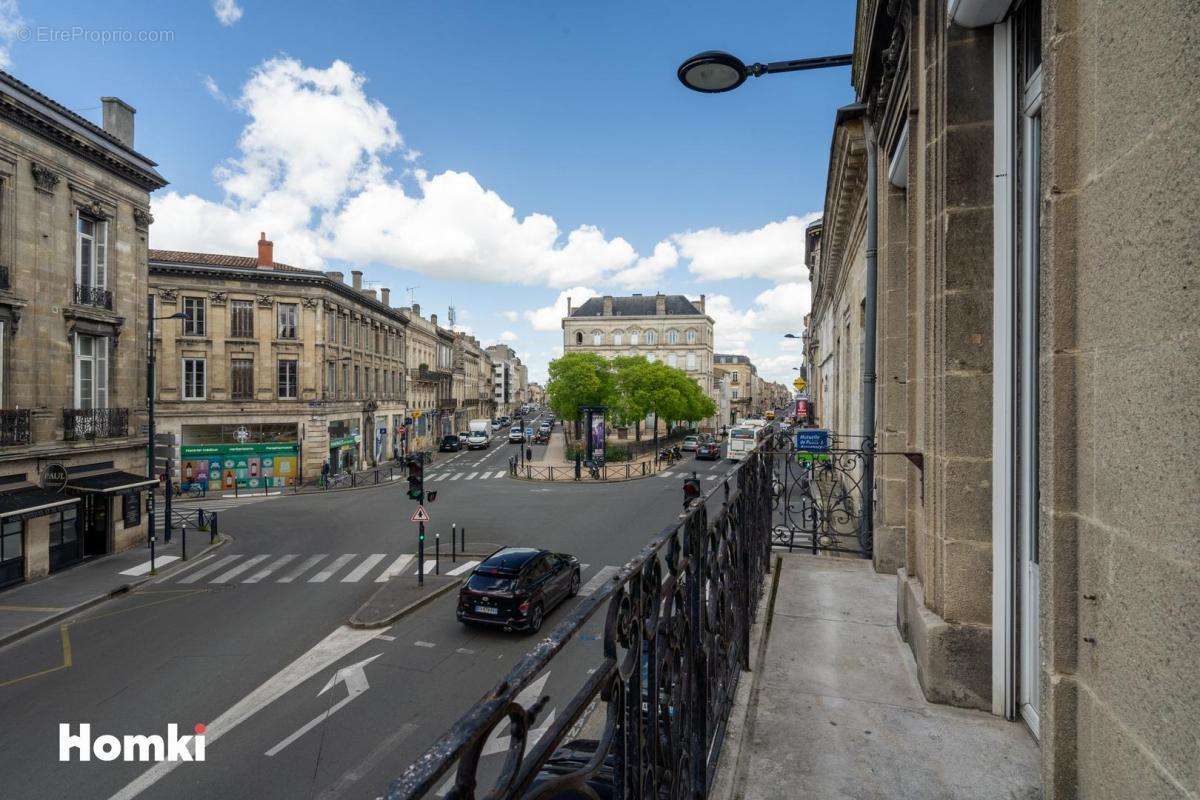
(93, 296)
(94, 423)
(15, 426)
(676, 639)
(820, 500)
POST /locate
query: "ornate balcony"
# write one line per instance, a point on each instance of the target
(96, 296)
(80, 424)
(424, 373)
(15, 426)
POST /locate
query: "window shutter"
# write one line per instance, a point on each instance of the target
(101, 255)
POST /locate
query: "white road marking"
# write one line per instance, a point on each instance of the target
(385, 748)
(597, 581)
(387, 638)
(337, 645)
(441, 476)
(396, 568)
(464, 568)
(355, 678)
(456, 476)
(465, 651)
(211, 568)
(142, 569)
(500, 474)
(368, 564)
(664, 474)
(239, 569)
(308, 564)
(472, 475)
(425, 644)
(333, 567)
(713, 477)
(269, 568)
(429, 565)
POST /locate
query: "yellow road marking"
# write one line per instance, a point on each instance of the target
(42, 609)
(66, 659)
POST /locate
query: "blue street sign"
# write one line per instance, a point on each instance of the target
(812, 440)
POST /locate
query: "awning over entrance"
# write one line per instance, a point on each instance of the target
(110, 482)
(31, 502)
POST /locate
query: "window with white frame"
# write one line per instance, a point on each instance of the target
(195, 379)
(289, 374)
(286, 314)
(690, 336)
(633, 337)
(672, 360)
(734, 394)
(618, 338)
(691, 361)
(91, 252)
(91, 371)
(194, 323)
(597, 337)
(241, 319)
(672, 336)
(651, 337)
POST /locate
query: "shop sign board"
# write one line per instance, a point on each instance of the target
(241, 466)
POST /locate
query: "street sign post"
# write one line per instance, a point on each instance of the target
(420, 515)
(800, 384)
(812, 440)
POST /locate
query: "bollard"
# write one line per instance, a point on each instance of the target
(153, 571)
(212, 527)
(437, 553)
(463, 544)
(183, 543)
(453, 542)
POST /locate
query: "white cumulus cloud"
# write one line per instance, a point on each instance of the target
(508, 336)
(776, 311)
(11, 25)
(648, 272)
(774, 252)
(323, 189)
(228, 11)
(510, 316)
(549, 318)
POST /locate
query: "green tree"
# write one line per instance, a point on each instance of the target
(578, 380)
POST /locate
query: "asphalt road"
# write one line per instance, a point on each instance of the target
(232, 643)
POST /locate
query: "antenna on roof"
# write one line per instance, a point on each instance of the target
(410, 290)
(450, 316)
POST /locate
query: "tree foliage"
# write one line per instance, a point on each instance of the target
(630, 386)
(578, 380)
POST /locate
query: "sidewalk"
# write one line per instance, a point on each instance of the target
(31, 606)
(832, 709)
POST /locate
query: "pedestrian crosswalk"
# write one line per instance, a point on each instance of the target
(466, 475)
(216, 503)
(330, 568)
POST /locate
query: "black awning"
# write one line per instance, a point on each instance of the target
(110, 482)
(32, 501)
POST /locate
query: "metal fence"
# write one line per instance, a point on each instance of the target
(603, 472)
(676, 639)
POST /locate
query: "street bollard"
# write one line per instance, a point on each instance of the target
(437, 553)
(463, 544)
(153, 571)
(212, 526)
(453, 542)
(183, 543)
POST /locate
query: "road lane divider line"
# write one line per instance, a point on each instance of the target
(368, 564)
(333, 567)
(304, 567)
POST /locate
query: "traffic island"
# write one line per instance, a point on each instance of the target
(401, 595)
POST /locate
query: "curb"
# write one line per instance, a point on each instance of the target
(408, 609)
(123, 589)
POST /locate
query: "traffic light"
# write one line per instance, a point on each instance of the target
(416, 480)
(691, 490)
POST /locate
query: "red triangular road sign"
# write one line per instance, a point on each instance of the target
(420, 515)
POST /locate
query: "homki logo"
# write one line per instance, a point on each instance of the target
(130, 747)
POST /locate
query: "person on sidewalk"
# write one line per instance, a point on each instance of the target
(325, 474)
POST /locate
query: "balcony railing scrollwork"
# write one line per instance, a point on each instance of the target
(16, 426)
(96, 296)
(81, 424)
(676, 639)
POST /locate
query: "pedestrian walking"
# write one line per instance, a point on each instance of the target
(325, 474)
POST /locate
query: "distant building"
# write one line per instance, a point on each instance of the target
(739, 374)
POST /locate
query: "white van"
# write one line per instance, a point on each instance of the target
(480, 435)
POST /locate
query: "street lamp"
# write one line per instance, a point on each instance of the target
(792, 336)
(716, 71)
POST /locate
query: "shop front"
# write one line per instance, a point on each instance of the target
(23, 519)
(109, 514)
(345, 445)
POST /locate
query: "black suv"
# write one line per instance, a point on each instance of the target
(450, 444)
(516, 587)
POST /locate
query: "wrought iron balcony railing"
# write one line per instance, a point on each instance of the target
(80, 424)
(93, 296)
(676, 638)
(15, 426)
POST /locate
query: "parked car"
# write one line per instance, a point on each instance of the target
(709, 451)
(450, 444)
(515, 434)
(464, 436)
(544, 427)
(690, 443)
(515, 587)
(497, 425)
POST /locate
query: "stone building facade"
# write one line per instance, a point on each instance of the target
(1035, 194)
(507, 371)
(667, 328)
(739, 373)
(430, 379)
(74, 216)
(473, 392)
(275, 371)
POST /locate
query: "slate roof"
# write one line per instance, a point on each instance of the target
(637, 306)
(216, 260)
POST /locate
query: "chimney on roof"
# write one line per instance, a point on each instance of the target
(334, 275)
(356, 279)
(568, 306)
(266, 252)
(660, 304)
(607, 305)
(385, 297)
(701, 304)
(118, 119)
(416, 309)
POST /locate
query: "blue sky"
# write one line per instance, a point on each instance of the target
(497, 155)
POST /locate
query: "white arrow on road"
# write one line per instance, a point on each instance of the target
(355, 678)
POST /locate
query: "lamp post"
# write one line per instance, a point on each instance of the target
(716, 71)
(150, 416)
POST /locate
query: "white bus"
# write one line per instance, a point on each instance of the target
(742, 439)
